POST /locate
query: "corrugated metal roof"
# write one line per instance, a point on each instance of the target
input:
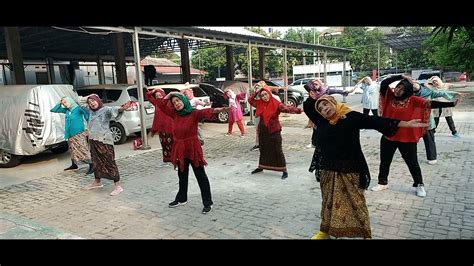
(235, 30)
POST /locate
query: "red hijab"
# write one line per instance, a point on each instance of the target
(266, 110)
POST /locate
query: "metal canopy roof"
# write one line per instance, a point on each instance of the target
(214, 36)
(405, 41)
(90, 43)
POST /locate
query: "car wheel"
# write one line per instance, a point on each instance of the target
(60, 149)
(223, 117)
(8, 160)
(118, 132)
(292, 102)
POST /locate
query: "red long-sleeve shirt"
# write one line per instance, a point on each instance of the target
(185, 140)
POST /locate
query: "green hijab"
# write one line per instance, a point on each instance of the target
(71, 102)
(187, 109)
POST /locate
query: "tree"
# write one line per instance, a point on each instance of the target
(453, 50)
(171, 56)
(211, 60)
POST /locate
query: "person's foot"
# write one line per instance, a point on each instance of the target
(420, 191)
(228, 134)
(254, 148)
(284, 175)
(310, 146)
(456, 135)
(116, 191)
(93, 185)
(432, 162)
(176, 203)
(72, 167)
(258, 170)
(379, 187)
(320, 236)
(206, 209)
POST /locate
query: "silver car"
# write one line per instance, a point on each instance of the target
(117, 95)
(28, 127)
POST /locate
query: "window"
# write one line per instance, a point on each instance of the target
(133, 93)
(198, 92)
(99, 92)
(112, 95)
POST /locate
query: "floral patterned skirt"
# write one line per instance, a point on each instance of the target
(344, 212)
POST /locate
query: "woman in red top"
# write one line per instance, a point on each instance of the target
(162, 124)
(186, 148)
(400, 104)
(269, 130)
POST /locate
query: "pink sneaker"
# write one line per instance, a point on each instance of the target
(93, 185)
(116, 191)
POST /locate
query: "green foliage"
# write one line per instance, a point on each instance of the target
(453, 49)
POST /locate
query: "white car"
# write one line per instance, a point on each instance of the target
(299, 86)
(117, 95)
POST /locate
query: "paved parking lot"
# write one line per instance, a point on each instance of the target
(260, 206)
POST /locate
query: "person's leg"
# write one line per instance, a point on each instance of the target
(183, 175)
(436, 121)
(452, 127)
(375, 112)
(230, 127)
(365, 111)
(204, 185)
(409, 154)
(241, 127)
(387, 150)
(430, 145)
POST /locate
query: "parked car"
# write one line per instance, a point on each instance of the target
(197, 91)
(28, 127)
(428, 74)
(295, 97)
(237, 86)
(218, 100)
(299, 85)
(117, 95)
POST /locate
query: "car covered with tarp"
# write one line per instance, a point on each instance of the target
(27, 126)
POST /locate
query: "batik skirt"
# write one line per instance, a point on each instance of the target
(103, 161)
(271, 152)
(344, 212)
(79, 148)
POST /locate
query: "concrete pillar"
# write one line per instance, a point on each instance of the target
(101, 71)
(229, 59)
(120, 66)
(261, 62)
(50, 70)
(185, 66)
(14, 54)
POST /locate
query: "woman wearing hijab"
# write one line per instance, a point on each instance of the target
(186, 148)
(316, 89)
(370, 96)
(399, 103)
(269, 130)
(429, 137)
(74, 132)
(436, 83)
(235, 111)
(162, 124)
(344, 174)
(101, 141)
